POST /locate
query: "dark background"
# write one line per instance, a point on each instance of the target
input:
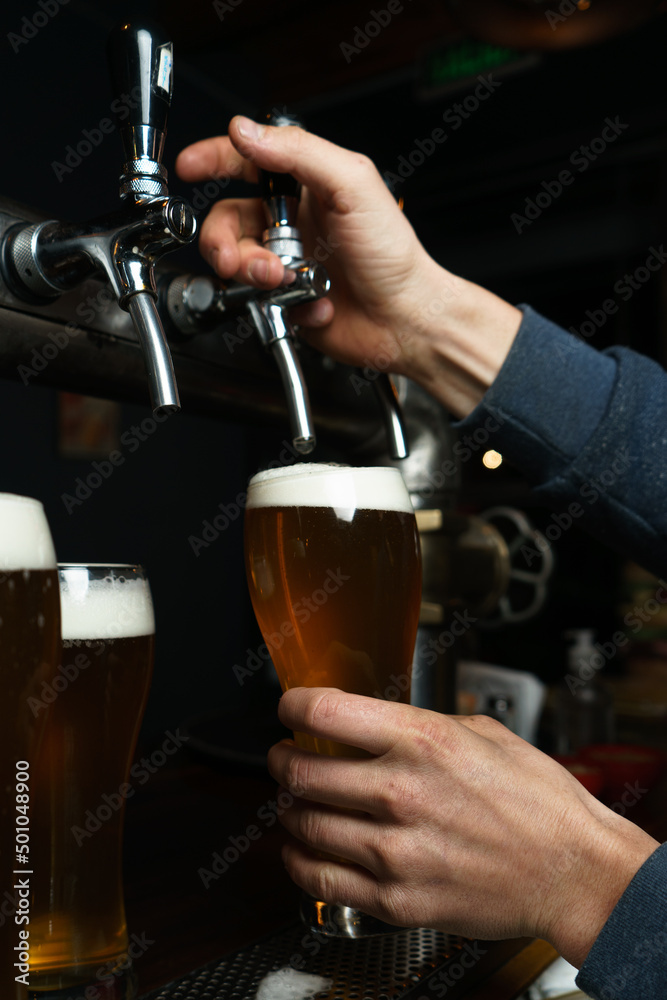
(460, 200)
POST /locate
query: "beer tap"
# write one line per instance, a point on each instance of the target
(197, 302)
(43, 260)
(281, 194)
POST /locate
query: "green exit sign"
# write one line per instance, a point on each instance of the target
(453, 66)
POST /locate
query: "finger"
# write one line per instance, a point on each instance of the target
(352, 836)
(331, 881)
(313, 314)
(342, 179)
(212, 159)
(333, 781)
(228, 241)
(336, 715)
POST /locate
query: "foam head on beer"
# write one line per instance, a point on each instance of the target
(342, 487)
(25, 539)
(113, 607)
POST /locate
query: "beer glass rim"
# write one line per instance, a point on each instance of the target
(102, 565)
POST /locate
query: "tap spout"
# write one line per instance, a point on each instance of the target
(392, 416)
(277, 335)
(159, 367)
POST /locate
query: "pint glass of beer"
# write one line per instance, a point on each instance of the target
(334, 571)
(95, 705)
(29, 634)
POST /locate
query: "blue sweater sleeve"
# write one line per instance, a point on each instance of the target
(629, 958)
(588, 429)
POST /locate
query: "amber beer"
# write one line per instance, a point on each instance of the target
(29, 630)
(78, 922)
(333, 566)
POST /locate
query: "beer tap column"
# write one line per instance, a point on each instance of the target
(44, 260)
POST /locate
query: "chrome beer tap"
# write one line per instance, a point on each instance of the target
(43, 260)
(281, 194)
(196, 303)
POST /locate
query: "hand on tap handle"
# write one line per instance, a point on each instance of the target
(391, 307)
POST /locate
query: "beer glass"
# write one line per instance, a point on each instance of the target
(334, 571)
(95, 705)
(29, 631)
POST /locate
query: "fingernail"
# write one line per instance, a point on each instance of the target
(289, 277)
(249, 129)
(213, 257)
(259, 269)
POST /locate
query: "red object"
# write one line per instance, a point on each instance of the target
(588, 774)
(629, 771)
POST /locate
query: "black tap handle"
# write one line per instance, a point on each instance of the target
(280, 192)
(141, 68)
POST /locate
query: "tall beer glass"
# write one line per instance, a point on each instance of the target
(78, 924)
(29, 630)
(334, 571)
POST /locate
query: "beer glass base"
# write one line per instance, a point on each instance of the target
(335, 920)
(116, 984)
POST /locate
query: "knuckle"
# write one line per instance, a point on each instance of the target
(384, 854)
(297, 770)
(402, 797)
(310, 827)
(486, 726)
(325, 884)
(365, 164)
(319, 711)
(427, 741)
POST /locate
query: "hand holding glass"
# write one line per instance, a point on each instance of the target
(334, 571)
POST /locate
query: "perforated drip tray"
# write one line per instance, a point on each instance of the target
(418, 964)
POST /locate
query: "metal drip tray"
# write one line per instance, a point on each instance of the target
(419, 964)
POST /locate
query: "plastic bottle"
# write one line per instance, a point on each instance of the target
(584, 708)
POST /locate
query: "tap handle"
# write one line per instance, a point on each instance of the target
(141, 70)
(281, 194)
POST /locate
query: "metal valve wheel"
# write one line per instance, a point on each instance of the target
(531, 563)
